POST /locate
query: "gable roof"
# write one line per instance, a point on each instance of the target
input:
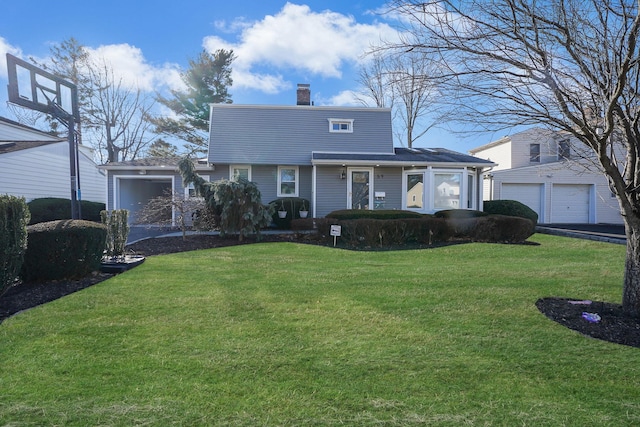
(403, 157)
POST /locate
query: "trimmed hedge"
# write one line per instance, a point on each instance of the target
(65, 249)
(510, 208)
(502, 229)
(345, 214)
(14, 216)
(366, 232)
(459, 214)
(52, 208)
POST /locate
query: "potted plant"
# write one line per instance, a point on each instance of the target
(282, 212)
(304, 211)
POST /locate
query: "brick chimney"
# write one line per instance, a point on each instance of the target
(304, 94)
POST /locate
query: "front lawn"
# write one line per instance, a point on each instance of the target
(301, 335)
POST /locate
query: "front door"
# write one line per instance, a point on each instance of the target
(359, 184)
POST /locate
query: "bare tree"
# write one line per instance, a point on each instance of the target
(570, 65)
(158, 211)
(401, 81)
(118, 116)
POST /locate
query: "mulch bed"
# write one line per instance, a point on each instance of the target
(614, 325)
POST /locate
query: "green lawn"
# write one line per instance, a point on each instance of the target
(298, 335)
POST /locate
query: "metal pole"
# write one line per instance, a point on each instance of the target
(72, 169)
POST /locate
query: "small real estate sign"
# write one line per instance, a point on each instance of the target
(336, 231)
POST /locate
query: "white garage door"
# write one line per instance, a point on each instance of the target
(528, 194)
(570, 203)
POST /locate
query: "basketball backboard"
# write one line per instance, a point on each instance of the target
(37, 89)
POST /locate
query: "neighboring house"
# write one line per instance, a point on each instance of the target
(551, 173)
(336, 157)
(35, 164)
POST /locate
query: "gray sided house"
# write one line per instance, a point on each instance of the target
(335, 157)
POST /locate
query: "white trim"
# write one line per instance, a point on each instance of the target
(314, 184)
(296, 182)
(350, 185)
(340, 122)
(191, 187)
(239, 166)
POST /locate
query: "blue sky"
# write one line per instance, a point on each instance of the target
(278, 44)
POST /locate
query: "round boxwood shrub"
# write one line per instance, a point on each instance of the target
(53, 208)
(510, 208)
(65, 249)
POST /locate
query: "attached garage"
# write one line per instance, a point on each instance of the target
(528, 194)
(135, 192)
(570, 203)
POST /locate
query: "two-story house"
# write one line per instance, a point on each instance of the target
(35, 164)
(551, 173)
(336, 157)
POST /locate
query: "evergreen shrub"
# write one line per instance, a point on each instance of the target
(502, 229)
(390, 232)
(64, 249)
(117, 225)
(14, 216)
(53, 208)
(510, 208)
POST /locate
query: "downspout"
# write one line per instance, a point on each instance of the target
(313, 191)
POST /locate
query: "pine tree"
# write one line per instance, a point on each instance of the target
(207, 82)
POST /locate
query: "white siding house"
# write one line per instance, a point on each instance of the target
(550, 173)
(34, 164)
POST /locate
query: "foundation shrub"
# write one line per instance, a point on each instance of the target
(502, 229)
(64, 249)
(53, 208)
(392, 232)
(510, 208)
(14, 216)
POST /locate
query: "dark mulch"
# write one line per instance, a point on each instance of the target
(614, 325)
(610, 322)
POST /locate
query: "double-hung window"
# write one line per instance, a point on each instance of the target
(288, 177)
(237, 172)
(534, 153)
(564, 149)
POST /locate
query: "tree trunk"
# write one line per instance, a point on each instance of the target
(631, 287)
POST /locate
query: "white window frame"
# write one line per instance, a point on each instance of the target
(341, 123)
(350, 186)
(190, 187)
(296, 182)
(461, 199)
(234, 167)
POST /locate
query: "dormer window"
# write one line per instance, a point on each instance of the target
(564, 149)
(341, 125)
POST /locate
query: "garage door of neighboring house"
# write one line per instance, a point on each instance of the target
(570, 203)
(528, 194)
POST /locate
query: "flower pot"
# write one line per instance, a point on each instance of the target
(303, 214)
(282, 214)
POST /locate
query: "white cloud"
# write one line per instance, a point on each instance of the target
(5, 48)
(298, 39)
(129, 63)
